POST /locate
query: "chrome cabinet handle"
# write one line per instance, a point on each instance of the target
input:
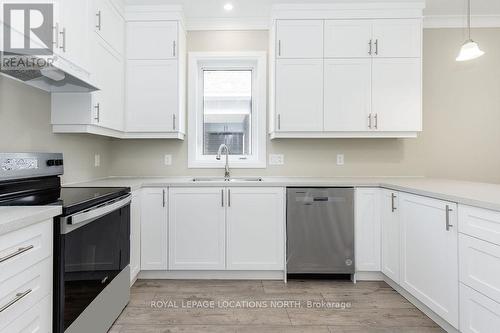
(63, 34)
(173, 120)
(98, 25)
(97, 107)
(16, 253)
(393, 205)
(448, 224)
(370, 44)
(376, 46)
(279, 121)
(18, 297)
(229, 197)
(279, 48)
(163, 198)
(376, 120)
(222, 197)
(174, 45)
(370, 121)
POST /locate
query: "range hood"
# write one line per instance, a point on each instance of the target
(60, 76)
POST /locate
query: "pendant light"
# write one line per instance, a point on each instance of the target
(470, 49)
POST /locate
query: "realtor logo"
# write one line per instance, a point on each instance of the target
(28, 28)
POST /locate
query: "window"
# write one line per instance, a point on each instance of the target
(227, 105)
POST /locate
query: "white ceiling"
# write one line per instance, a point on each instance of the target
(261, 8)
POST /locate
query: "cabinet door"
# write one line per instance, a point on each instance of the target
(108, 101)
(299, 95)
(154, 229)
(74, 31)
(109, 24)
(397, 94)
(390, 230)
(398, 38)
(255, 228)
(429, 250)
(197, 237)
(152, 95)
(135, 235)
(367, 229)
(299, 39)
(347, 94)
(348, 39)
(152, 40)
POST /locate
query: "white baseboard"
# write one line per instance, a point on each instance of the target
(421, 306)
(368, 276)
(213, 275)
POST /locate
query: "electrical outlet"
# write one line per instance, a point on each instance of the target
(167, 160)
(276, 159)
(340, 159)
(97, 160)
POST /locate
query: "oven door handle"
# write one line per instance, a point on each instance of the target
(72, 222)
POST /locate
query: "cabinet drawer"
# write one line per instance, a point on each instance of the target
(37, 319)
(478, 313)
(24, 248)
(480, 265)
(480, 223)
(21, 292)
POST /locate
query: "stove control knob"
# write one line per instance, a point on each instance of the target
(59, 162)
(51, 163)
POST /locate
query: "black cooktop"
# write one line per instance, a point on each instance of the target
(47, 191)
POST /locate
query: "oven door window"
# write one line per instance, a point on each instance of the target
(93, 255)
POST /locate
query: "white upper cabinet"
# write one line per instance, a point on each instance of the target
(347, 100)
(152, 40)
(109, 24)
(255, 228)
(390, 231)
(299, 39)
(299, 95)
(197, 230)
(429, 250)
(348, 39)
(397, 94)
(73, 33)
(397, 38)
(367, 229)
(152, 95)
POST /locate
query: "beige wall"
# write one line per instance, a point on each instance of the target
(25, 127)
(460, 138)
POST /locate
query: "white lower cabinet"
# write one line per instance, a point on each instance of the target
(478, 313)
(154, 229)
(390, 232)
(135, 235)
(429, 253)
(255, 228)
(197, 228)
(367, 229)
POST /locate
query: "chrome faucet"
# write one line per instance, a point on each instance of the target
(219, 152)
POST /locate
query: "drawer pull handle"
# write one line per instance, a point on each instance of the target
(18, 297)
(18, 252)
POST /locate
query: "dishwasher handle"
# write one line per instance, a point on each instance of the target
(320, 199)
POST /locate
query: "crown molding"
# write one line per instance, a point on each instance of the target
(460, 21)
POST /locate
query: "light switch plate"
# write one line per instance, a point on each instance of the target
(276, 159)
(167, 160)
(97, 160)
(340, 159)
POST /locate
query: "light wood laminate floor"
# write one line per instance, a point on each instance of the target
(260, 306)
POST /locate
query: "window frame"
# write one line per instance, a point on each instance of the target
(200, 61)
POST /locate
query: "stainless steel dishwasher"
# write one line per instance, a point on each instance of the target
(320, 230)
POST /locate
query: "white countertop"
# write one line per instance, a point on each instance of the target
(482, 195)
(16, 217)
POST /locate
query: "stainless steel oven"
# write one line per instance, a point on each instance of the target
(92, 251)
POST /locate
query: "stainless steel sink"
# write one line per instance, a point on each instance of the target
(222, 179)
